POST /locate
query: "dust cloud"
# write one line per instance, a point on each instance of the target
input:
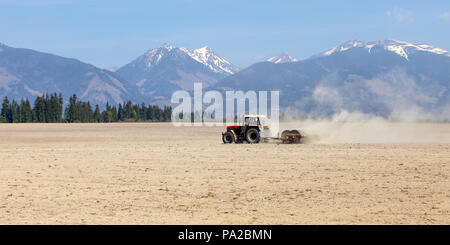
(348, 127)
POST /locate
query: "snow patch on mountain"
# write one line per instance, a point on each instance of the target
(113, 68)
(208, 57)
(399, 47)
(168, 46)
(282, 58)
(154, 56)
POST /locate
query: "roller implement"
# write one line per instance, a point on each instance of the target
(290, 137)
(254, 129)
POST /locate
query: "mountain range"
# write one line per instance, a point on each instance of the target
(387, 78)
(390, 78)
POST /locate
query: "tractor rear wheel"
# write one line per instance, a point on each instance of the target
(228, 138)
(252, 136)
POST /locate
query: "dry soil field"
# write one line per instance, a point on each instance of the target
(143, 173)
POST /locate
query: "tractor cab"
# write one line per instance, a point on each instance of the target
(252, 121)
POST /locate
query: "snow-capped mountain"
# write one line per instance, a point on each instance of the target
(208, 57)
(391, 79)
(161, 71)
(401, 48)
(204, 55)
(282, 58)
(154, 56)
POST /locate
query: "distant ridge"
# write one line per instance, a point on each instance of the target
(25, 73)
(282, 58)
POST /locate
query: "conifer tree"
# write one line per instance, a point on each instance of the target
(26, 111)
(39, 110)
(120, 113)
(15, 112)
(5, 110)
(97, 114)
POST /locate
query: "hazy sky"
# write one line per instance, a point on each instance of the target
(114, 32)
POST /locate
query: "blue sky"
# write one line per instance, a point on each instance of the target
(114, 32)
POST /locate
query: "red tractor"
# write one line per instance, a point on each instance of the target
(250, 131)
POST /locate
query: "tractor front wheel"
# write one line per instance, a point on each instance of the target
(252, 136)
(228, 137)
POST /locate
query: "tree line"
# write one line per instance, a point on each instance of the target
(49, 109)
